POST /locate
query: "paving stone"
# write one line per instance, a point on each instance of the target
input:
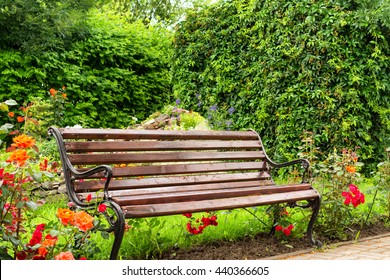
(368, 249)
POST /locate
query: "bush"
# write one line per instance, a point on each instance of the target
(118, 72)
(287, 67)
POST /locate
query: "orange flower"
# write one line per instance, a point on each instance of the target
(11, 114)
(20, 119)
(65, 215)
(64, 95)
(23, 141)
(49, 241)
(64, 256)
(52, 92)
(83, 221)
(19, 157)
(350, 169)
(42, 251)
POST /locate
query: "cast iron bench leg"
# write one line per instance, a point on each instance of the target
(119, 230)
(315, 205)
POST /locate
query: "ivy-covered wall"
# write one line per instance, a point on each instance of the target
(289, 66)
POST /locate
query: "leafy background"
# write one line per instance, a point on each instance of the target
(291, 66)
(280, 67)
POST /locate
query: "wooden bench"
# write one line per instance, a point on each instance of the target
(146, 173)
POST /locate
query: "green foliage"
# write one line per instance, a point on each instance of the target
(165, 12)
(118, 72)
(290, 66)
(42, 25)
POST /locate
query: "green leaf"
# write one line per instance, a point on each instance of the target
(37, 176)
(11, 102)
(54, 232)
(105, 234)
(32, 205)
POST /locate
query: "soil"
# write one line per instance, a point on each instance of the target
(262, 246)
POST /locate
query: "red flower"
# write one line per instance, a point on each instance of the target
(36, 238)
(102, 208)
(286, 231)
(354, 190)
(188, 215)
(278, 228)
(354, 196)
(88, 198)
(22, 255)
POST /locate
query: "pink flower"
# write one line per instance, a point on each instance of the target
(64, 256)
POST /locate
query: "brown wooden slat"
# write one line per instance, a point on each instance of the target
(117, 146)
(197, 193)
(182, 169)
(93, 133)
(119, 158)
(173, 190)
(96, 185)
(162, 209)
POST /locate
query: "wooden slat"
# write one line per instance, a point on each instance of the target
(117, 146)
(216, 204)
(182, 169)
(128, 134)
(199, 192)
(118, 158)
(154, 182)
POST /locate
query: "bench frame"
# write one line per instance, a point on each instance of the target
(117, 221)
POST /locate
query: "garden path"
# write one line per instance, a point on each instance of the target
(370, 248)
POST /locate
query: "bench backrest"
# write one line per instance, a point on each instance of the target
(159, 158)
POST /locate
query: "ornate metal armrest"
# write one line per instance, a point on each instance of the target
(101, 168)
(304, 162)
(71, 173)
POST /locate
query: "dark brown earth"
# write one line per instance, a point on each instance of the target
(262, 246)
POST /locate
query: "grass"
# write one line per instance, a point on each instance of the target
(150, 238)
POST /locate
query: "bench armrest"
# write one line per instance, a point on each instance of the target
(106, 169)
(304, 162)
(71, 173)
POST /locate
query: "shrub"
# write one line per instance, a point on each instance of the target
(119, 71)
(289, 66)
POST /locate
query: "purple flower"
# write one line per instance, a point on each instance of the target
(177, 101)
(214, 107)
(231, 110)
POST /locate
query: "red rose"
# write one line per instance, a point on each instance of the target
(278, 228)
(102, 208)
